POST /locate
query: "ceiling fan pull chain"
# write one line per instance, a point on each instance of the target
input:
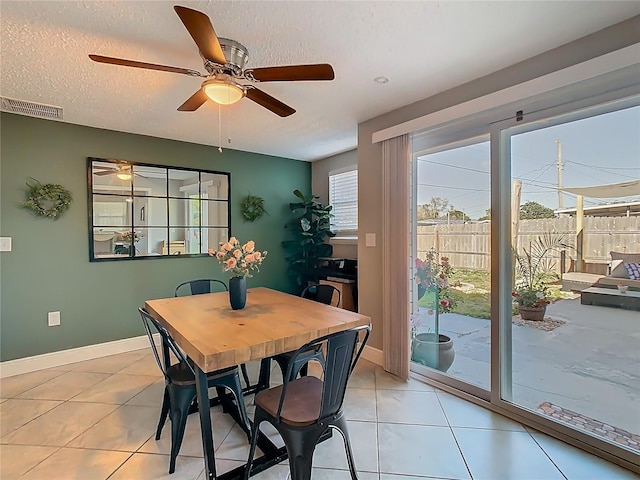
(229, 120)
(219, 128)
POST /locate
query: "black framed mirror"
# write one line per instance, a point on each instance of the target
(143, 211)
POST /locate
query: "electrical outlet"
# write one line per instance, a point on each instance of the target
(53, 318)
(5, 244)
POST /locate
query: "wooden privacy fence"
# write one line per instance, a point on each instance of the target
(469, 245)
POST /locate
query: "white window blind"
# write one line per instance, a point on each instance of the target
(343, 196)
(109, 213)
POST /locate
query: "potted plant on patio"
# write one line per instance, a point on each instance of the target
(431, 348)
(533, 274)
(532, 300)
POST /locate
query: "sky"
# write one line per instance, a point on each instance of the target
(595, 151)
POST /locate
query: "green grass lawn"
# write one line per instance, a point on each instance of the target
(479, 278)
(475, 303)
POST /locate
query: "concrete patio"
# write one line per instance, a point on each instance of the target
(589, 365)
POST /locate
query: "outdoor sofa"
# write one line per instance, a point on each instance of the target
(616, 273)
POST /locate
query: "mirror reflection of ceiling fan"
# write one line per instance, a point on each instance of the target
(224, 61)
(123, 172)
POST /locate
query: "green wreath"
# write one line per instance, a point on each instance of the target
(48, 200)
(252, 208)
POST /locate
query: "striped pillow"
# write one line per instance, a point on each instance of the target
(633, 269)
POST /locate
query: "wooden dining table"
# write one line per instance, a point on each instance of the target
(214, 337)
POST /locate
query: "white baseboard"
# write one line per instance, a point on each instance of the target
(373, 355)
(72, 355)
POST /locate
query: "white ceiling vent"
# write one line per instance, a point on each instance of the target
(30, 108)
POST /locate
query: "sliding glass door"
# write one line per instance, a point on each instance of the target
(451, 308)
(525, 266)
(574, 350)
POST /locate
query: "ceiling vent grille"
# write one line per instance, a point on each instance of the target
(32, 109)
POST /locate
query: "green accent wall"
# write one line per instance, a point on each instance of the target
(49, 269)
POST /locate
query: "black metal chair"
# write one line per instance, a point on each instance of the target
(198, 287)
(322, 293)
(304, 409)
(207, 285)
(180, 386)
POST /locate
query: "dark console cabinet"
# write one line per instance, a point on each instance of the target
(342, 273)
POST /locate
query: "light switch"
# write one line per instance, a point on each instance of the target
(5, 244)
(370, 240)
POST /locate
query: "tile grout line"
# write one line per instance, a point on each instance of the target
(453, 433)
(62, 372)
(70, 400)
(546, 454)
(48, 456)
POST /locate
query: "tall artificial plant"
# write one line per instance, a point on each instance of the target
(311, 226)
(534, 269)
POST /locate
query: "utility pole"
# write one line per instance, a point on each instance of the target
(515, 213)
(559, 173)
(515, 221)
(579, 232)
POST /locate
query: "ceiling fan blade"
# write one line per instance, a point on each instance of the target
(199, 27)
(268, 102)
(148, 66)
(292, 73)
(105, 172)
(194, 102)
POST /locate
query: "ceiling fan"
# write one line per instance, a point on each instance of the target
(123, 172)
(224, 61)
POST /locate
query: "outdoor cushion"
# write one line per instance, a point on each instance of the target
(618, 269)
(633, 269)
(625, 257)
(610, 282)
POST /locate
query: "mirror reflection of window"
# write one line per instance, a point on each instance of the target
(214, 237)
(140, 210)
(109, 213)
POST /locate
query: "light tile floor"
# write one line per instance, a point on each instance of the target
(96, 420)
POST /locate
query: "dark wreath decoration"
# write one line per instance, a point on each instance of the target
(48, 200)
(252, 208)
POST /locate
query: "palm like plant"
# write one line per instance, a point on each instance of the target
(533, 269)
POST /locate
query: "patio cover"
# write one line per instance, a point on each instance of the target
(611, 190)
(623, 189)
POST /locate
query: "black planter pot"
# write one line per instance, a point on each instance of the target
(237, 292)
(125, 250)
(438, 354)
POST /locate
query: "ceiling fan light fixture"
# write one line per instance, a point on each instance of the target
(223, 90)
(124, 175)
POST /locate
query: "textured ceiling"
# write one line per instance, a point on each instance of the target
(422, 47)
